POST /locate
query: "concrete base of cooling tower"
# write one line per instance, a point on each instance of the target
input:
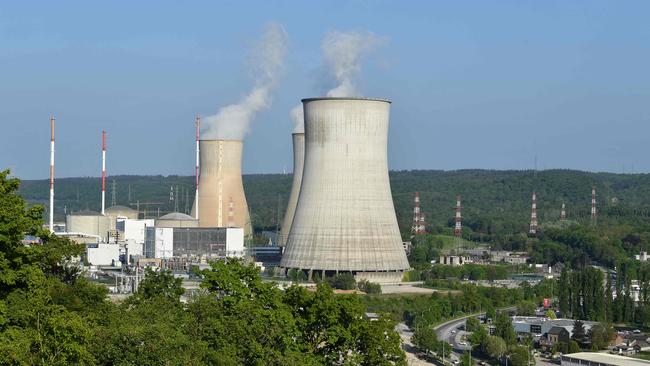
(381, 277)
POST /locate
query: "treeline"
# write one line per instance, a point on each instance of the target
(49, 315)
(493, 201)
(591, 294)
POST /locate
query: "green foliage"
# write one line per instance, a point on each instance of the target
(466, 359)
(526, 308)
(574, 347)
(159, 283)
(578, 333)
(519, 356)
(50, 316)
(479, 339)
(467, 271)
(472, 324)
(425, 338)
(495, 346)
(342, 281)
(369, 287)
(503, 328)
(599, 336)
(550, 314)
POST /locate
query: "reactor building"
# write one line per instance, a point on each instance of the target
(344, 219)
(298, 160)
(221, 200)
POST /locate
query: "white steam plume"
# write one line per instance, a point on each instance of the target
(343, 53)
(232, 122)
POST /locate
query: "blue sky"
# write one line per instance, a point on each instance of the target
(474, 84)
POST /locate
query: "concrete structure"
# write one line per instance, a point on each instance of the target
(186, 242)
(600, 359)
(176, 219)
(122, 212)
(102, 254)
(89, 222)
(642, 257)
(134, 235)
(453, 260)
(298, 160)
(220, 184)
(345, 219)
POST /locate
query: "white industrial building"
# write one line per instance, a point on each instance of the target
(187, 242)
(600, 359)
(537, 326)
(102, 254)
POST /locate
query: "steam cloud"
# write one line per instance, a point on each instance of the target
(343, 53)
(233, 121)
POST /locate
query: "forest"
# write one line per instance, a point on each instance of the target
(496, 207)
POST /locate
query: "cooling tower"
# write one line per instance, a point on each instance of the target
(222, 202)
(298, 159)
(345, 219)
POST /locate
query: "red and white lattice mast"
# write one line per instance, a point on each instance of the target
(458, 229)
(533, 216)
(563, 212)
(418, 217)
(593, 205)
(196, 173)
(103, 171)
(52, 175)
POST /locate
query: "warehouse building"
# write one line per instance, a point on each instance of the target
(187, 242)
(600, 359)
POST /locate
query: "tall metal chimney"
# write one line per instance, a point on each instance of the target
(103, 171)
(593, 205)
(298, 162)
(345, 219)
(563, 212)
(198, 149)
(220, 180)
(52, 175)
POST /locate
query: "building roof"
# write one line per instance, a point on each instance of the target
(607, 359)
(119, 208)
(86, 213)
(177, 216)
(557, 330)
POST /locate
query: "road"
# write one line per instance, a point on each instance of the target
(449, 332)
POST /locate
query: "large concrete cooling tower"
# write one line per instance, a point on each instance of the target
(222, 202)
(345, 220)
(298, 160)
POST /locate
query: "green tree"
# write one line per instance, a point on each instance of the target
(466, 359)
(159, 283)
(574, 347)
(599, 336)
(342, 281)
(503, 328)
(519, 356)
(478, 339)
(563, 293)
(472, 324)
(550, 314)
(426, 339)
(495, 347)
(578, 333)
(526, 308)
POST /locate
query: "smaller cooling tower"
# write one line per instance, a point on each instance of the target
(298, 159)
(222, 202)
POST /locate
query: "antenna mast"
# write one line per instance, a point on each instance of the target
(593, 205)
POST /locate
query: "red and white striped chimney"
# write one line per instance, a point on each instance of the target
(563, 212)
(103, 171)
(196, 173)
(52, 175)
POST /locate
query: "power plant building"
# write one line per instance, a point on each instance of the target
(221, 198)
(298, 160)
(345, 219)
(186, 242)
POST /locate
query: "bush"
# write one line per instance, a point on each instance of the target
(342, 281)
(369, 287)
